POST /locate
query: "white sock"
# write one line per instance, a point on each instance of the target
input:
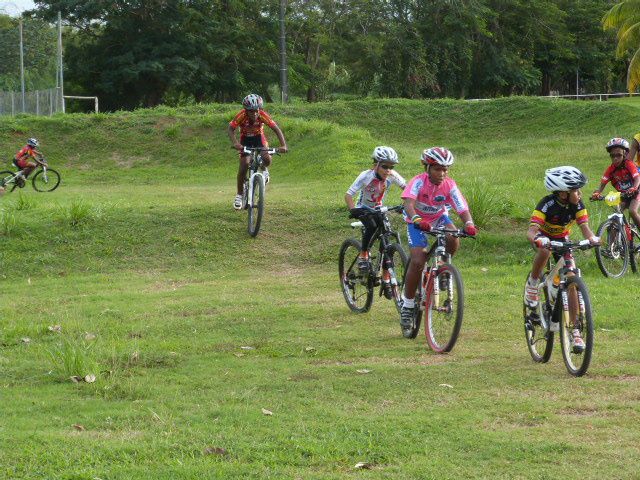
(408, 302)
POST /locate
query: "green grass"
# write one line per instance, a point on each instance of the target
(141, 260)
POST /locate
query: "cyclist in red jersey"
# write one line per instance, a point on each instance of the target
(251, 120)
(623, 175)
(25, 160)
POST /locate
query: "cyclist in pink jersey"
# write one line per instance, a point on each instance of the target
(427, 200)
(251, 120)
(373, 185)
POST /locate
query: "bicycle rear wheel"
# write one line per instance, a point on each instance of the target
(612, 254)
(539, 341)
(634, 249)
(256, 205)
(399, 262)
(444, 309)
(577, 362)
(357, 288)
(7, 180)
(46, 181)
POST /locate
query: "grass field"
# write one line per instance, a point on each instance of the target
(192, 328)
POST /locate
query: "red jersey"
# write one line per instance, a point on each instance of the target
(26, 152)
(248, 129)
(621, 177)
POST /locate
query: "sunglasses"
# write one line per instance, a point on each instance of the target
(387, 167)
(616, 155)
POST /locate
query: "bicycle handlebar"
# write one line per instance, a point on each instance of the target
(435, 232)
(569, 246)
(383, 209)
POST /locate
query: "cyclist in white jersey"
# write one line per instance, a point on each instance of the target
(373, 185)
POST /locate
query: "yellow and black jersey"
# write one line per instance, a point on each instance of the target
(555, 218)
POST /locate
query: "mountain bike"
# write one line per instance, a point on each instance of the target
(440, 295)
(253, 192)
(572, 311)
(44, 179)
(620, 240)
(388, 263)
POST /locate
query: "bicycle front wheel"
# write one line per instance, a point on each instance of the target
(539, 339)
(577, 359)
(612, 254)
(256, 205)
(634, 249)
(357, 288)
(46, 181)
(398, 265)
(444, 308)
(7, 181)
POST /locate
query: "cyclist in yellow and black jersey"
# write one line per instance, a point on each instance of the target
(552, 219)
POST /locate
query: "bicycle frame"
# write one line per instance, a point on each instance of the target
(383, 233)
(554, 281)
(255, 164)
(437, 251)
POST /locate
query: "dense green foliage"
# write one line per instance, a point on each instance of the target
(625, 18)
(133, 53)
(156, 287)
(40, 40)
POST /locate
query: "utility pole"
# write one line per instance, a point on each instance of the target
(284, 83)
(61, 84)
(22, 66)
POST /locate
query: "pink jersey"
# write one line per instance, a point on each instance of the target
(433, 201)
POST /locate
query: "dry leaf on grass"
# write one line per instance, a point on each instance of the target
(214, 451)
(78, 427)
(363, 371)
(25, 340)
(446, 385)
(266, 412)
(309, 349)
(55, 328)
(484, 269)
(247, 348)
(89, 336)
(76, 379)
(90, 378)
(363, 465)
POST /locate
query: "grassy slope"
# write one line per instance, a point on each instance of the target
(160, 268)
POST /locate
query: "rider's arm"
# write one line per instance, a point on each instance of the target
(633, 151)
(466, 218)
(232, 136)
(283, 142)
(349, 201)
(532, 232)
(410, 207)
(586, 232)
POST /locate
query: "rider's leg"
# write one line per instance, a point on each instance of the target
(633, 211)
(416, 264)
(531, 286)
(242, 172)
(266, 159)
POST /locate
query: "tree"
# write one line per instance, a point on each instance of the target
(625, 18)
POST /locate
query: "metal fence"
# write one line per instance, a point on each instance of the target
(38, 102)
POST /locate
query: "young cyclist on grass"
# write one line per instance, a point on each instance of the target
(25, 160)
(427, 200)
(623, 175)
(251, 120)
(373, 185)
(552, 219)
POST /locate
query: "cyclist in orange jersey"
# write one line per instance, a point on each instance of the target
(251, 120)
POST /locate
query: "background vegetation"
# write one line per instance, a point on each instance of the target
(144, 53)
(148, 280)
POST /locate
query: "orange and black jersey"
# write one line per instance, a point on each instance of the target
(555, 218)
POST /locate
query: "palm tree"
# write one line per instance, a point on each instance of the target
(625, 17)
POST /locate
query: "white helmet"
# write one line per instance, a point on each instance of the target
(617, 143)
(563, 179)
(437, 156)
(385, 154)
(252, 102)
(33, 142)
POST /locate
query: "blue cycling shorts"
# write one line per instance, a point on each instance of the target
(418, 238)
